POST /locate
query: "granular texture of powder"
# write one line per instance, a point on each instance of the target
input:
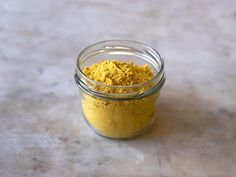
(118, 73)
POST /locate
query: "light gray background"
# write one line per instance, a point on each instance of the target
(42, 133)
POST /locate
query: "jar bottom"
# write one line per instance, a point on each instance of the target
(140, 132)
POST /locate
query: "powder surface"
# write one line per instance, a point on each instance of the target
(118, 73)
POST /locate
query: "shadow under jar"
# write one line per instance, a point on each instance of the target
(119, 111)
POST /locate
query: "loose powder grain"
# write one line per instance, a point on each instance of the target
(118, 73)
(119, 119)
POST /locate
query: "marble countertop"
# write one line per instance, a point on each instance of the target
(42, 132)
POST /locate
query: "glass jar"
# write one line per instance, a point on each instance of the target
(119, 111)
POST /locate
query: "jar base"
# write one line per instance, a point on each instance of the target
(121, 138)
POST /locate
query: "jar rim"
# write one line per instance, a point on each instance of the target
(160, 71)
(108, 96)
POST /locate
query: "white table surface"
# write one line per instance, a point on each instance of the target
(42, 132)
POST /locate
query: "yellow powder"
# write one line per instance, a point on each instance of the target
(118, 119)
(118, 73)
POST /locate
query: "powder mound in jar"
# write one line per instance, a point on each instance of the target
(118, 73)
(113, 118)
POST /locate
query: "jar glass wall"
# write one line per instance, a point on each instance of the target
(119, 111)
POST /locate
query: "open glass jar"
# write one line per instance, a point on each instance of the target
(119, 111)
